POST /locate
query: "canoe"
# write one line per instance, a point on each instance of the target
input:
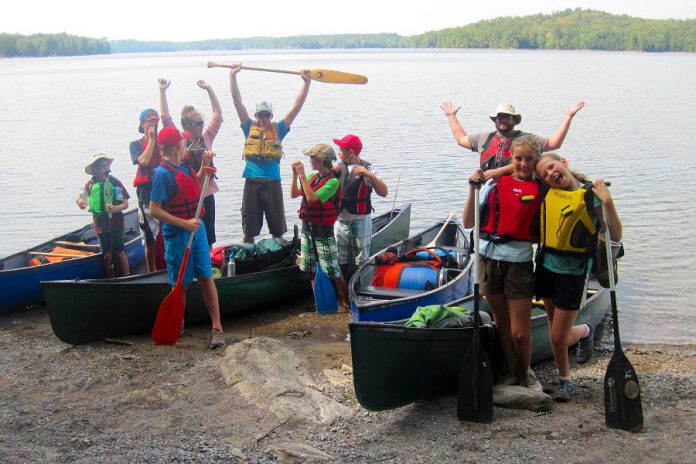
(394, 365)
(20, 283)
(89, 310)
(377, 298)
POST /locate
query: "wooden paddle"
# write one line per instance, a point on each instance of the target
(324, 295)
(475, 384)
(322, 75)
(171, 311)
(61, 255)
(433, 242)
(622, 405)
(77, 244)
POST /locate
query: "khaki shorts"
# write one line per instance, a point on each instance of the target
(514, 280)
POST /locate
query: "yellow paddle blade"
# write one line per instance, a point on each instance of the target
(336, 77)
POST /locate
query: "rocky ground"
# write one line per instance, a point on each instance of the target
(136, 402)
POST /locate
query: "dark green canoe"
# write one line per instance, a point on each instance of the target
(394, 365)
(83, 311)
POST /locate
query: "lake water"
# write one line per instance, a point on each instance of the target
(56, 112)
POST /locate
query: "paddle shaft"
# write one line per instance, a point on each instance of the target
(612, 284)
(396, 192)
(322, 75)
(433, 242)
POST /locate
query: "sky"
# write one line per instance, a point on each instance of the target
(176, 20)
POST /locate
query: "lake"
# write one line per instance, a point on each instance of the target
(56, 112)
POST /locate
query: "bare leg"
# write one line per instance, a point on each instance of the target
(247, 239)
(560, 325)
(342, 290)
(501, 315)
(122, 263)
(107, 262)
(210, 297)
(520, 327)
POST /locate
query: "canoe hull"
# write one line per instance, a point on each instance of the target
(20, 287)
(394, 365)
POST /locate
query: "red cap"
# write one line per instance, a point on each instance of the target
(169, 136)
(350, 141)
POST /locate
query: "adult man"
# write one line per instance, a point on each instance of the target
(354, 227)
(262, 151)
(146, 156)
(494, 147)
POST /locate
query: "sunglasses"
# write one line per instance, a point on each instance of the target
(503, 116)
(200, 123)
(263, 115)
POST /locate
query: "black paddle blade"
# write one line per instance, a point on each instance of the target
(475, 391)
(622, 405)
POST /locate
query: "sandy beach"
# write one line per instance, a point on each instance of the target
(137, 402)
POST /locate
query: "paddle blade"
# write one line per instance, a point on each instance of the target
(622, 405)
(324, 296)
(169, 318)
(475, 386)
(336, 77)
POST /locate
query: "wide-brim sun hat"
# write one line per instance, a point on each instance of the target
(506, 108)
(94, 159)
(322, 152)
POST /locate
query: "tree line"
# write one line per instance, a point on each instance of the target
(12, 45)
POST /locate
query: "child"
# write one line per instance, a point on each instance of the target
(173, 201)
(319, 211)
(570, 214)
(508, 228)
(106, 199)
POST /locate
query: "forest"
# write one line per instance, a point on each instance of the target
(12, 45)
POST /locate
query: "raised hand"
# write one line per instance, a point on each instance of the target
(449, 109)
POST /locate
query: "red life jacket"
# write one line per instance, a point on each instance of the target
(496, 153)
(356, 193)
(184, 202)
(144, 174)
(316, 212)
(511, 211)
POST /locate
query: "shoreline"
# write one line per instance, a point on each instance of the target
(138, 402)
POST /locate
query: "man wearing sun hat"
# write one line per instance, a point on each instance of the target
(263, 151)
(358, 179)
(106, 198)
(494, 147)
(146, 156)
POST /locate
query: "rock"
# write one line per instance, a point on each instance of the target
(517, 397)
(337, 377)
(297, 452)
(268, 374)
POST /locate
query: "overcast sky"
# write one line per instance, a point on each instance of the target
(175, 20)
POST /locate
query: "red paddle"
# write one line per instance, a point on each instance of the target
(171, 311)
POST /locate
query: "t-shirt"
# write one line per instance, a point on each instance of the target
(344, 214)
(143, 191)
(268, 169)
(478, 140)
(102, 222)
(326, 191)
(163, 188)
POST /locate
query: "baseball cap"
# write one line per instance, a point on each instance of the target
(350, 141)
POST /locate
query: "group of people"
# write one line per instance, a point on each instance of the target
(532, 197)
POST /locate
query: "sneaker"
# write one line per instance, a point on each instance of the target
(563, 391)
(217, 339)
(529, 380)
(585, 348)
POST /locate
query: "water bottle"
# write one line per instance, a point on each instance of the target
(231, 266)
(118, 194)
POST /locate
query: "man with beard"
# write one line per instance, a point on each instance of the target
(494, 147)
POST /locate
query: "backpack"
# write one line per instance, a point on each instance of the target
(600, 269)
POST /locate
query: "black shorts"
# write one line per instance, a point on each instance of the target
(209, 218)
(565, 290)
(263, 197)
(114, 239)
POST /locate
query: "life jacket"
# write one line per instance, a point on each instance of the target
(263, 143)
(316, 212)
(184, 201)
(355, 191)
(99, 197)
(193, 157)
(143, 175)
(495, 153)
(567, 225)
(511, 211)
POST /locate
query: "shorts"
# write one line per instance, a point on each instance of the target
(209, 219)
(565, 289)
(263, 197)
(514, 280)
(149, 226)
(353, 239)
(199, 260)
(328, 255)
(109, 239)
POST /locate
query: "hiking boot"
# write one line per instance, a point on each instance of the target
(585, 348)
(217, 339)
(563, 391)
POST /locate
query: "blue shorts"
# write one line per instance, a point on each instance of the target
(199, 260)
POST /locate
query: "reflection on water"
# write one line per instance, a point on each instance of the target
(56, 112)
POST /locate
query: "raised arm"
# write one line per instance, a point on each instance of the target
(147, 154)
(299, 101)
(164, 106)
(460, 135)
(236, 96)
(214, 102)
(556, 140)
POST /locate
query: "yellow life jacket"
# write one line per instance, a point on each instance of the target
(566, 224)
(263, 144)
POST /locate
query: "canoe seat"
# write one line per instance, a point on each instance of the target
(387, 293)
